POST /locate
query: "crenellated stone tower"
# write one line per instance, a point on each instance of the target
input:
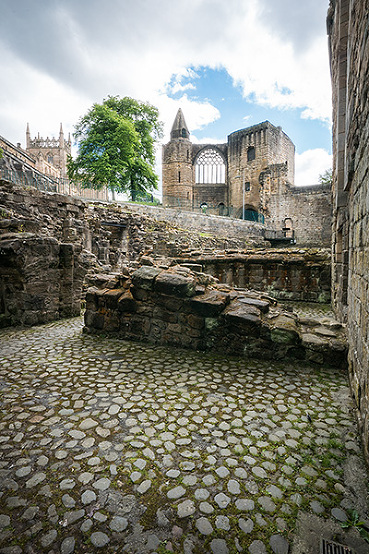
(51, 154)
(230, 178)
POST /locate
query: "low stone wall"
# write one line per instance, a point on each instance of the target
(48, 242)
(219, 226)
(283, 274)
(309, 208)
(178, 307)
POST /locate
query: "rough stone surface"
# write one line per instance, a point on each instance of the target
(220, 412)
(350, 186)
(243, 325)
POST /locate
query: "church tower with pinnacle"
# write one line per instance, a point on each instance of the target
(178, 167)
(51, 154)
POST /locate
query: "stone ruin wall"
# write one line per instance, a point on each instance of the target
(248, 232)
(178, 307)
(296, 275)
(272, 146)
(349, 44)
(51, 245)
(309, 209)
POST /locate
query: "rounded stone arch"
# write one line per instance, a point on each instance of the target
(210, 166)
(221, 208)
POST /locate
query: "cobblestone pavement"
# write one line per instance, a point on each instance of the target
(112, 446)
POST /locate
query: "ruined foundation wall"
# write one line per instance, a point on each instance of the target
(300, 276)
(349, 41)
(179, 308)
(48, 243)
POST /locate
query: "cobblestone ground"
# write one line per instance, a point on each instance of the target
(112, 446)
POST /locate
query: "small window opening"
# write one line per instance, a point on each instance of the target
(247, 186)
(251, 154)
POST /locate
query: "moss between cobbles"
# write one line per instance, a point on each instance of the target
(308, 455)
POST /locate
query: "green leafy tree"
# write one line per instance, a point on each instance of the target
(326, 177)
(116, 146)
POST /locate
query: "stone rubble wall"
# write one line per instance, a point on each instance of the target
(218, 226)
(49, 243)
(179, 307)
(284, 274)
(349, 44)
(70, 241)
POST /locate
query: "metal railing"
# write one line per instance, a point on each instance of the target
(46, 183)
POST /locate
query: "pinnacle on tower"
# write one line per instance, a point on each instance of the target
(61, 136)
(28, 137)
(179, 129)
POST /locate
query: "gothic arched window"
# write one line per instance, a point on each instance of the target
(210, 167)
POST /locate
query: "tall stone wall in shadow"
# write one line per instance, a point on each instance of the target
(349, 49)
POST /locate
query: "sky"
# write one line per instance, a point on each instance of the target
(228, 64)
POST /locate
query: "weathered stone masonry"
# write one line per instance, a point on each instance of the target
(348, 23)
(181, 308)
(49, 242)
(298, 275)
(69, 240)
(250, 177)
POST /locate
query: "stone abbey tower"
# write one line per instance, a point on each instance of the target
(249, 177)
(234, 178)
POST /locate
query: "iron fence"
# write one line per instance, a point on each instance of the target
(47, 183)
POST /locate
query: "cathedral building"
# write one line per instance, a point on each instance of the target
(50, 154)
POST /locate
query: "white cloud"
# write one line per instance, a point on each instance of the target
(310, 164)
(57, 58)
(208, 140)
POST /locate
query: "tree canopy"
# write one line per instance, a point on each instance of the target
(326, 177)
(116, 146)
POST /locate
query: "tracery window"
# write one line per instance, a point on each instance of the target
(210, 167)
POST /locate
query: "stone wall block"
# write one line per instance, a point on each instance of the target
(174, 285)
(144, 277)
(126, 302)
(111, 297)
(165, 315)
(245, 317)
(261, 305)
(210, 304)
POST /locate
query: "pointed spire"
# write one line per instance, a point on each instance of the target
(28, 137)
(179, 129)
(61, 136)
